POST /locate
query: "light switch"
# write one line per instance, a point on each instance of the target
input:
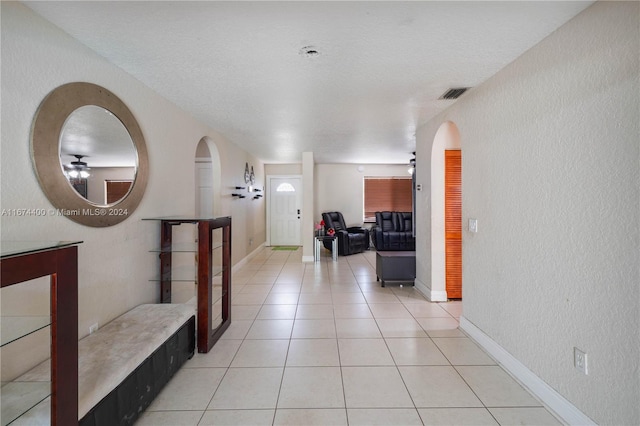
(473, 225)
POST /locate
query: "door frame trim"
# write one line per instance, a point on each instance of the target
(268, 197)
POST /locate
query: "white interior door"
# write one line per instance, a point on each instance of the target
(285, 204)
(204, 189)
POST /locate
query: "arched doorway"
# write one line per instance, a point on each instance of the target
(208, 176)
(446, 212)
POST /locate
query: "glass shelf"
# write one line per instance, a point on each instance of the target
(185, 219)
(186, 273)
(213, 260)
(18, 248)
(183, 248)
(14, 328)
(217, 298)
(20, 397)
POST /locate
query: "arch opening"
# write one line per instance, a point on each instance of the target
(446, 138)
(208, 177)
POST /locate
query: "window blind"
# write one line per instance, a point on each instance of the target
(386, 194)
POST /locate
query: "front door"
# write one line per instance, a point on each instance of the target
(285, 204)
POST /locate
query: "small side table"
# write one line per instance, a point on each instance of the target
(318, 244)
(395, 266)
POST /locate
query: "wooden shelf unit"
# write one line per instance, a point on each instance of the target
(207, 334)
(24, 261)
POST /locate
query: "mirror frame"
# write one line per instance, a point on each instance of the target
(45, 153)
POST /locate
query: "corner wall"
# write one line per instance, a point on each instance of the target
(551, 171)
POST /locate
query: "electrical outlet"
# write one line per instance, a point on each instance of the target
(93, 328)
(473, 225)
(580, 361)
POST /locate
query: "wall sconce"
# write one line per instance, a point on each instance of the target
(247, 175)
(249, 178)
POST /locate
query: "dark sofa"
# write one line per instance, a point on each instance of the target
(351, 240)
(393, 231)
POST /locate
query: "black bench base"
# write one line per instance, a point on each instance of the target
(127, 401)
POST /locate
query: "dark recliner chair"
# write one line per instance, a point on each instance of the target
(350, 240)
(393, 231)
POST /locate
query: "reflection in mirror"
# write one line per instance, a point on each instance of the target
(97, 155)
(64, 140)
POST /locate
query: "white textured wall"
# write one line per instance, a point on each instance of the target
(283, 169)
(340, 187)
(551, 171)
(114, 264)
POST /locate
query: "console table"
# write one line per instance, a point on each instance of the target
(209, 327)
(24, 261)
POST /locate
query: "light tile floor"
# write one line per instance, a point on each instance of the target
(323, 344)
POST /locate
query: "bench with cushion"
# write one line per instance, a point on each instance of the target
(125, 364)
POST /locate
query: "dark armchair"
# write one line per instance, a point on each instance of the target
(393, 231)
(350, 240)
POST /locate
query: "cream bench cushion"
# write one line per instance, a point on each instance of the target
(108, 356)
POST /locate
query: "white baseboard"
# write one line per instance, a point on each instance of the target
(422, 288)
(246, 259)
(432, 296)
(545, 393)
(438, 296)
(308, 259)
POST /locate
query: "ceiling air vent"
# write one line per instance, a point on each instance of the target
(454, 93)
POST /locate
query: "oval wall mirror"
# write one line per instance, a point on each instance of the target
(89, 154)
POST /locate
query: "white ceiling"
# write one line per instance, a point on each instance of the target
(84, 133)
(381, 68)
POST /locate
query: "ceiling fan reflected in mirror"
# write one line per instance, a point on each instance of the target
(78, 168)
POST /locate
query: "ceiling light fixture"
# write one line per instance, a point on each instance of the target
(78, 168)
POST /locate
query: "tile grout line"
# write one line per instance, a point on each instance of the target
(333, 278)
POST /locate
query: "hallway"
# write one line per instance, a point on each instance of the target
(323, 344)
